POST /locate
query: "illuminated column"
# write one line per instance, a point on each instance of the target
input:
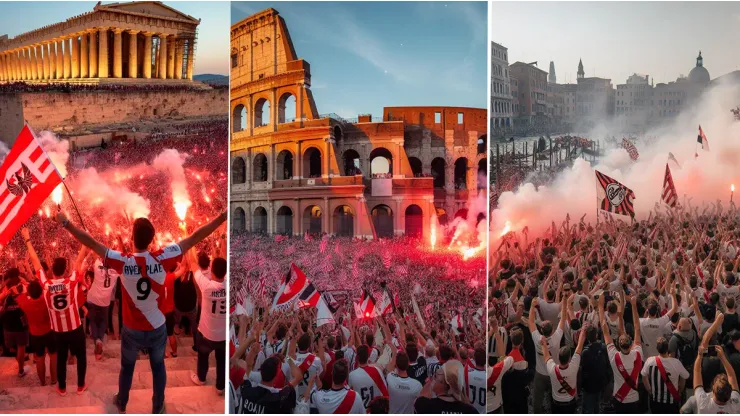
(2, 67)
(117, 52)
(179, 55)
(75, 57)
(191, 57)
(67, 57)
(34, 63)
(24, 64)
(84, 55)
(93, 58)
(170, 57)
(39, 61)
(146, 66)
(16, 66)
(162, 68)
(133, 64)
(103, 54)
(47, 60)
(60, 59)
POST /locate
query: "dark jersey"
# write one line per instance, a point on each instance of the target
(425, 405)
(257, 399)
(418, 370)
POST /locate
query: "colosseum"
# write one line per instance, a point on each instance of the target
(294, 170)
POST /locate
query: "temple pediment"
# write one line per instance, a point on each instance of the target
(147, 8)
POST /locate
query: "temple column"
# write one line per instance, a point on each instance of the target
(47, 67)
(19, 74)
(162, 67)
(75, 57)
(179, 52)
(39, 61)
(34, 63)
(103, 53)
(146, 66)
(117, 53)
(133, 55)
(60, 59)
(67, 57)
(2, 67)
(84, 55)
(23, 65)
(93, 58)
(191, 58)
(170, 57)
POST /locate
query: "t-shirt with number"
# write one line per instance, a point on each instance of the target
(62, 299)
(213, 306)
(327, 401)
(403, 391)
(476, 384)
(706, 404)
(254, 398)
(103, 285)
(494, 397)
(142, 284)
(315, 369)
(361, 382)
(569, 375)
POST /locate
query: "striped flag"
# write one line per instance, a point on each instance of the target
(365, 308)
(673, 158)
(631, 149)
(262, 289)
(387, 260)
(308, 297)
(27, 177)
(669, 196)
(289, 292)
(702, 140)
(614, 197)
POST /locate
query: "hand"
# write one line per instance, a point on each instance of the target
(535, 301)
(24, 232)
(543, 342)
(720, 317)
(61, 218)
(720, 352)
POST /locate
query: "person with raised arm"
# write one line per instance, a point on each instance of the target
(142, 276)
(564, 376)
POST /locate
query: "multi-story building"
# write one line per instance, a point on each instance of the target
(594, 97)
(555, 96)
(516, 109)
(633, 100)
(311, 173)
(501, 110)
(532, 84)
(569, 102)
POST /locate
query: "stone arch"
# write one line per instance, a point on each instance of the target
(483, 143)
(312, 219)
(351, 162)
(259, 168)
(338, 135)
(262, 112)
(381, 161)
(482, 177)
(461, 173)
(442, 218)
(239, 220)
(344, 221)
(238, 171)
(239, 118)
(383, 221)
(416, 166)
(414, 226)
(284, 221)
(286, 108)
(259, 220)
(312, 163)
(439, 166)
(284, 165)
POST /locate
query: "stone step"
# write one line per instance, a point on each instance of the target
(190, 399)
(64, 410)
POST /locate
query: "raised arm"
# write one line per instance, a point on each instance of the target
(728, 367)
(82, 236)
(698, 382)
(563, 313)
(31, 252)
(581, 341)
(635, 320)
(201, 233)
(532, 312)
(602, 320)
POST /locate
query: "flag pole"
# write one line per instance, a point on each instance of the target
(74, 204)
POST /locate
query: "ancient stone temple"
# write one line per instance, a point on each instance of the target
(136, 40)
(295, 170)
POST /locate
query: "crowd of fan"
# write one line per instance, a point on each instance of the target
(64, 87)
(618, 317)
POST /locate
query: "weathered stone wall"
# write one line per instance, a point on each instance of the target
(70, 112)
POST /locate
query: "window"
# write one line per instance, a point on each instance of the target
(459, 118)
(234, 60)
(437, 117)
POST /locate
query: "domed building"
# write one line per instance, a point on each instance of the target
(699, 74)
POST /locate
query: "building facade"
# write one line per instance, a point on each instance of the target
(310, 173)
(114, 41)
(532, 89)
(501, 105)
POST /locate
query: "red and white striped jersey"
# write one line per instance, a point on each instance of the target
(61, 298)
(142, 284)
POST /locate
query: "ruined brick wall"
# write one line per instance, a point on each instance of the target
(69, 112)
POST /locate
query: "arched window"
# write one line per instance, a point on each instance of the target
(312, 219)
(239, 118)
(312, 163)
(441, 216)
(259, 221)
(259, 173)
(351, 163)
(344, 221)
(238, 171)
(383, 221)
(483, 173)
(415, 166)
(482, 144)
(262, 113)
(438, 172)
(414, 226)
(238, 222)
(284, 221)
(285, 165)
(286, 108)
(461, 173)
(381, 162)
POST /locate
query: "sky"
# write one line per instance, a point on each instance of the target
(615, 40)
(212, 53)
(368, 55)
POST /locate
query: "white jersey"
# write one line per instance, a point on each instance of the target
(706, 404)
(349, 355)
(374, 355)
(476, 385)
(327, 401)
(674, 370)
(553, 343)
(549, 311)
(103, 285)
(494, 397)
(315, 369)
(213, 306)
(651, 329)
(361, 382)
(629, 364)
(569, 375)
(402, 392)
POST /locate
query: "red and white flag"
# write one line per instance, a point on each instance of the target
(28, 177)
(293, 285)
(365, 308)
(702, 140)
(386, 305)
(669, 196)
(630, 148)
(262, 289)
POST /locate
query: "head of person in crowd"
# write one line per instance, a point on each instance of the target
(269, 369)
(721, 389)
(304, 343)
(34, 289)
(142, 234)
(339, 373)
(363, 353)
(379, 406)
(218, 268)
